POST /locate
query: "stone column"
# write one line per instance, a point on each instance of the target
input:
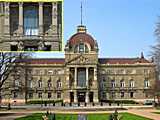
(87, 97)
(95, 96)
(87, 77)
(75, 77)
(95, 76)
(95, 85)
(20, 27)
(6, 19)
(54, 18)
(75, 97)
(40, 18)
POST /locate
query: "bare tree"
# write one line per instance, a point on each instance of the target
(155, 53)
(8, 63)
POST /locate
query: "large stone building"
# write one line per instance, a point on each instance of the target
(31, 26)
(81, 76)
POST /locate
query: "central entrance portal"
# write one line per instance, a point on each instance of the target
(81, 96)
(81, 77)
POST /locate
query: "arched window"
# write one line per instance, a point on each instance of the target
(40, 83)
(146, 83)
(59, 84)
(131, 83)
(49, 83)
(113, 83)
(122, 83)
(81, 48)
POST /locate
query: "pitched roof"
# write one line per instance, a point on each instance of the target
(122, 60)
(100, 60)
(45, 61)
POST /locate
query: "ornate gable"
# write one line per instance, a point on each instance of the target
(81, 59)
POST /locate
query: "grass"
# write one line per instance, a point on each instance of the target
(126, 116)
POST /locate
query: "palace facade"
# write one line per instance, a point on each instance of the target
(31, 26)
(81, 76)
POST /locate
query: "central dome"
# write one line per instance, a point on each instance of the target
(82, 37)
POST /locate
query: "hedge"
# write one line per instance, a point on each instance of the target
(43, 101)
(121, 101)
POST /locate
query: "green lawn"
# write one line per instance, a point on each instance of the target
(126, 116)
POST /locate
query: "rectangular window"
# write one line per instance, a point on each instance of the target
(30, 95)
(48, 48)
(39, 95)
(30, 84)
(16, 83)
(49, 95)
(104, 95)
(81, 77)
(131, 94)
(15, 94)
(113, 95)
(14, 48)
(58, 95)
(30, 20)
(122, 94)
(47, 17)
(14, 18)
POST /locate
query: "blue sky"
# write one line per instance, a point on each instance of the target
(122, 28)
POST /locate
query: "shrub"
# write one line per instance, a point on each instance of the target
(43, 101)
(121, 101)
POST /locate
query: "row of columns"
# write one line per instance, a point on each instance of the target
(75, 77)
(7, 20)
(87, 83)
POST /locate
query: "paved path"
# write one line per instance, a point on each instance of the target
(148, 113)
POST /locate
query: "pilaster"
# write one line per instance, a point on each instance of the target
(20, 27)
(6, 19)
(40, 18)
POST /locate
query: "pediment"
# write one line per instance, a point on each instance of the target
(80, 60)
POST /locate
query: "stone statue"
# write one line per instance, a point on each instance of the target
(40, 46)
(20, 46)
(115, 116)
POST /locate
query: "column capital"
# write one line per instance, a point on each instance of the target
(40, 3)
(20, 4)
(6, 3)
(54, 3)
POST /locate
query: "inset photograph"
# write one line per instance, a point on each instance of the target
(31, 26)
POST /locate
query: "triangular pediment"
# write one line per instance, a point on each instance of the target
(80, 59)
